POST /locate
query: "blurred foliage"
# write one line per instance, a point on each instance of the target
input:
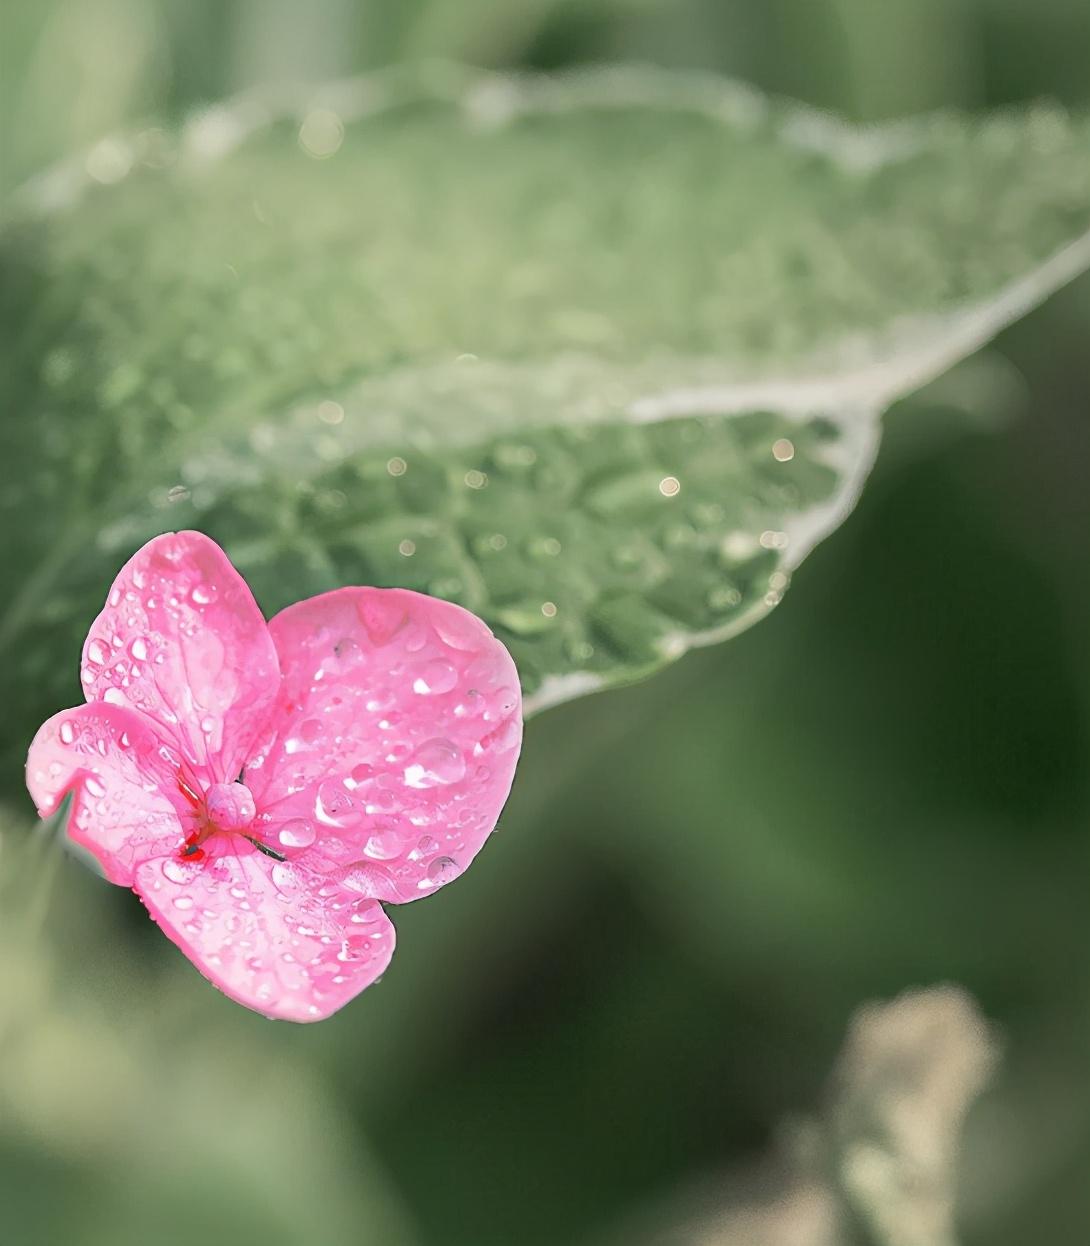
(699, 879)
(878, 1163)
(267, 326)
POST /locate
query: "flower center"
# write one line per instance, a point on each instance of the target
(225, 807)
(229, 806)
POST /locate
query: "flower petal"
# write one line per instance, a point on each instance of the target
(394, 740)
(182, 640)
(124, 778)
(272, 936)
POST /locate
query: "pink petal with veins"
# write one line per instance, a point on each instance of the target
(124, 779)
(182, 640)
(394, 740)
(272, 936)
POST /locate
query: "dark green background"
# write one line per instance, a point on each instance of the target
(698, 879)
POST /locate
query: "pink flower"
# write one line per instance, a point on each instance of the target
(263, 787)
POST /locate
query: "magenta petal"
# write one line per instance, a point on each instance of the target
(395, 739)
(272, 936)
(124, 779)
(182, 640)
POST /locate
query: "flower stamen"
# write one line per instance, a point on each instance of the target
(192, 850)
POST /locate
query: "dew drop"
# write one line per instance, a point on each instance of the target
(68, 733)
(97, 652)
(435, 677)
(458, 629)
(139, 649)
(94, 786)
(178, 871)
(470, 704)
(441, 871)
(321, 133)
(724, 597)
(434, 763)
(383, 844)
(347, 652)
(283, 877)
(333, 805)
(298, 833)
(414, 638)
(500, 704)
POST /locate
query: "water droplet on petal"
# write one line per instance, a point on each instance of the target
(434, 763)
(179, 871)
(470, 704)
(500, 704)
(414, 638)
(94, 786)
(298, 833)
(458, 629)
(505, 737)
(284, 877)
(383, 844)
(334, 806)
(67, 733)
(441, 871)
(435, 677)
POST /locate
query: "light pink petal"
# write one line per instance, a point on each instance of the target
(274, 937)
(182, 640)
(396, 735)
(124, 779)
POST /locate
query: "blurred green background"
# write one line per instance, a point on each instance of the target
(597, 1035)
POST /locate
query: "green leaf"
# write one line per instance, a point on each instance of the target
(600, 357)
